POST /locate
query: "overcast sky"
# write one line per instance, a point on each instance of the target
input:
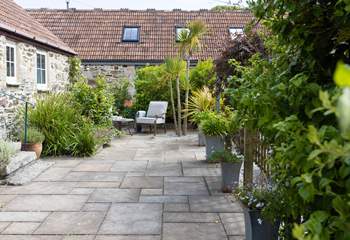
(131, 4)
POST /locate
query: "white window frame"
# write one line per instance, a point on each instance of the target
(178, 31)
(11, 80)
(41, 86)
(235, 31)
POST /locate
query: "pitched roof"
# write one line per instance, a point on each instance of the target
(17, 21)
(96, 35)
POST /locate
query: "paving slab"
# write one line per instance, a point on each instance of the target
(98, 184)
(133, 219)
(129, 166)
(82, 191)
(115, 195)
(202, 172)
(96, 207)
(94, 177)
(233, 223)
(4, 225)
(29, 237)
(53, 174)
(42, 188)
(46, 203)
(176, 207)
(164, 199)
(116, 237)
(71, 223)
(67, 163)
(213, 204)
(214, 185)
(184, 186)
(23, 216)
(193, 231)
(156, 191)
(21, 228)
(159, 168)
(142, 182)
(93, 167)
(79, 237)
(190, 217)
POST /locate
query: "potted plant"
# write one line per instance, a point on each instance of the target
(231, 163)
(214, 127)
(258, 226)
(34, 141)
(200, 104)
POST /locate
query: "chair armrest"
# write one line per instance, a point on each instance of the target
(140, 114)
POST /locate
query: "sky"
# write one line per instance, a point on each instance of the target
(131, 4)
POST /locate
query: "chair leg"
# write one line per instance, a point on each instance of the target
(164, 128)
(155, 129)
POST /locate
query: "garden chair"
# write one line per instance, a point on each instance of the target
(155, 115)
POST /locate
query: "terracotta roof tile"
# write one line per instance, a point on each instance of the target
(96, 35)
(16, 20)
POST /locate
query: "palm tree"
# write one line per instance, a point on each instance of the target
(189, 41)
(173, 69)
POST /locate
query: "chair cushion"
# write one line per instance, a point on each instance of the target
(148, 120)
(157, 109)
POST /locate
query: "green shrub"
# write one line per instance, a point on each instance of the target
(33, 136)
(226, 156)
(7, 150)
(214, 125)
(66, 131)
(96, 102)
(201, 101)
(203, 74)
(120, 92)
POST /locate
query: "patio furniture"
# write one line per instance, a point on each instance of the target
(126, 123)
(155, 115)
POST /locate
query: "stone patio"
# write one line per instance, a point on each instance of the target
(140, 188)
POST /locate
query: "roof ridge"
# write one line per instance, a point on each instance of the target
(132, 10)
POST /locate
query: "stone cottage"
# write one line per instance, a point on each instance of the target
(33, 61)
(116, 42)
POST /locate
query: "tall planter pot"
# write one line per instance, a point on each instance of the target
(257, 228)
(201, 138)
(230, 175)
(212, 144)
(33, 147)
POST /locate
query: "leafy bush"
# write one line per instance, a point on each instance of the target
(200, 101)
(66, 131)
(7, 150)
(214, 125)
(120, 92)
(203, 74)
(226, 156)
(33, 136)
(96, 102)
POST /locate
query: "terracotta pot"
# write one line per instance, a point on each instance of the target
(33, 147)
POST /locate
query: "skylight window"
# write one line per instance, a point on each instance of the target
(131, 34)
(179, 30)
(235, 31)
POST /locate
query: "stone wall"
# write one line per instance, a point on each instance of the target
(57, 79)
(112, 72)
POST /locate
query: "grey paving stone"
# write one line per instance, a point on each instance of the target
(233, 223)
(83, 191)
(159, 168)
(200, 164)
(193, 231)
(71, 223)
(4, 199)
(133, 219)
(21, 228)
(214, 185)
(142, 182)
(135, 174)
(163, 199)
(4, 225)
(236, 238)
(189, 217)
(66, 163)
(202, 172)
(53, 174)
(79, 237)
(98, 184)
(157, 191)
(23, 216)
(129, 166)
(94, 176)
(46, 203)
(115, 195)
(176, 207)
(184, 186)
(96, 207)
(115, 237)
(30, 237)
(40, 188)
(213, 204)
(93, 167)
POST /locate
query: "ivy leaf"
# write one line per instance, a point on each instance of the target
(307, 192)
(342, 75)
(314, 154)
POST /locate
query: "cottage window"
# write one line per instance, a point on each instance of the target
(179, 31)
(41, 71)
(11, 63)
(131, 34)
(234, 31)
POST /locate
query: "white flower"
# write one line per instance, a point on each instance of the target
(260, 221)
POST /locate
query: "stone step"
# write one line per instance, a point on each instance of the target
(18, 161)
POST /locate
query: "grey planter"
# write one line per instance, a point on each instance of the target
(201, 138)
(256, 228)
(230, 176)
(212, 144)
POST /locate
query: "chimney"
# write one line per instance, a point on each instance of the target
(67, 2)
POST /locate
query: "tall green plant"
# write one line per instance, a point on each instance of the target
(189, 42)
